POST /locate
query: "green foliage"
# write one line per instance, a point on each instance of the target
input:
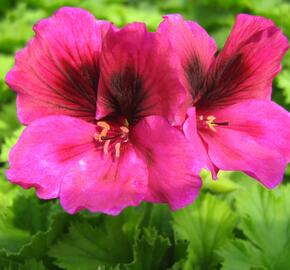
(265, 219)
(234, 225)
(32, 264)
(283, 82)
(16, 27)
(206, 225)
(9, 141)
(120, 242)
(96, 246)
(149, 251)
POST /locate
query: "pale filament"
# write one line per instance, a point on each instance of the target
(124, 129)
(117, 149)
(106, 147)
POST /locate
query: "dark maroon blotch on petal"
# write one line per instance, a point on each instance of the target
(125, 95)
(195, 75)
(77, 88)
(222, 85)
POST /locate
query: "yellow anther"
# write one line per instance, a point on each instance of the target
(103, 134)
(210, 122)
(201, 117)
(106, 140)
(106, 147)
(126, 122)
(104, 125)
(106, 128)
(117, 149)
(124, 129)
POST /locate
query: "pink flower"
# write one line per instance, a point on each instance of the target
(230, 118)
(98, 101)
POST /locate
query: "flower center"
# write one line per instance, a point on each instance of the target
(111, 137)
(209, 122)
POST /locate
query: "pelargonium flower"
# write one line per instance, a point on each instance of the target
(230, 117)
(98, 102)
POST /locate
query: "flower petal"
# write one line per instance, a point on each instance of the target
(45, 149)
(58, 72)
(172, 166)
(199, 146)
(194, 47)
(137, 75)
(101, 184)
(248, 63)
(58, 156)
(255, 141)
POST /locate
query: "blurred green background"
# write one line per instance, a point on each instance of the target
(235, 224)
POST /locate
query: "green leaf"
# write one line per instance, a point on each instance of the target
(15, 228)
(32, 265)
(11, 238)
(265, 223)
(179, 254)
(8, 193)
(18, 20)
(41, 242)
(28, 227)
(149, 251)
(157, 216)
(89, 247)
(206, 225)
(9, 128)
(35, 247)
(283, 81)
(28, 265)
(121, 15)
(119, 242)
(38, 214)
(242, 254)
(224, 184)
(6, 63)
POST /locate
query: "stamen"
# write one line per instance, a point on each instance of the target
(117, 149)
(96, 136)
(104, 125)
(210, 122)
(106, 147)
(111, 137)
(126, 123)
(104, 132)
(124, 129)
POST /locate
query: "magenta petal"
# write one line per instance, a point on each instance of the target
(44, 151)
(189, 40)
(255, 141)
(58, 72)
(195, 50)
(247, 64)
(194, 47)
(172, 166)
(137, 75)
(199, 146)
(100, 184)
(58, 156)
